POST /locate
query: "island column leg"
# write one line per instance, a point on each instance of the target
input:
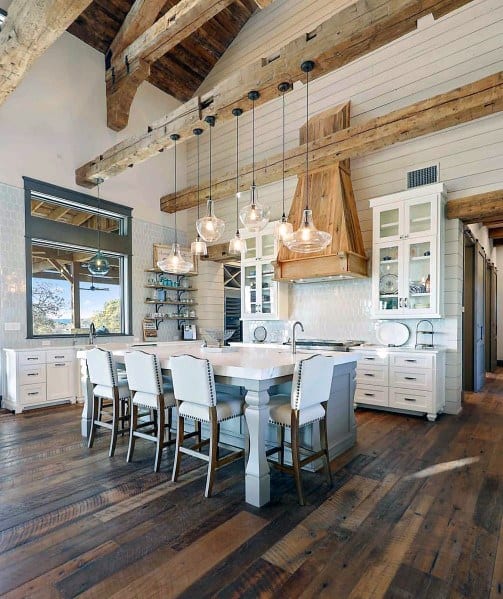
(257, 478)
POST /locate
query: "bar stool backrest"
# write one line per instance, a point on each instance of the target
(312, 381)
(101, 368)
(143, 373)
(193, 380)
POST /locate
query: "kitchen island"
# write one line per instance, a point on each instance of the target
(258, 371)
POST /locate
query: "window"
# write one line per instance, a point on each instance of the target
(63, 232)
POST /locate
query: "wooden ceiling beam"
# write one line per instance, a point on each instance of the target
(30, 28)
(346, 36)
(496, 233)
(131, 65)
(477, 208)
(461, 105)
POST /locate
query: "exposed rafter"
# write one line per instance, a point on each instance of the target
(130, 65)
(477, 208)
(30, 28)
(351, 33)
(466, 103)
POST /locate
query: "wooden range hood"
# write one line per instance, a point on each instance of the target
(334, 210)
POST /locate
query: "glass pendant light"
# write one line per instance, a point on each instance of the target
(283, 229)
(210, 227)
(174, 262)
(99, 264)
(198, 247)
(307, 239)
(237, 246)
(254, 216)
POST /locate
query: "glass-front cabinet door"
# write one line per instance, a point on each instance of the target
(420, 276)
(249, 289)
(388, 222)
(420, 218)
(387, 292)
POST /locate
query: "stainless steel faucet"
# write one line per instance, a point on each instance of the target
(92, 333)
(294, 340)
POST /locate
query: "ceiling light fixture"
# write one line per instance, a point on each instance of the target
(254, 216)
(237, 246)
(307, 239)
(174, 262)
(210, 227)
(98, 264)
(283, 229)
(198, 247)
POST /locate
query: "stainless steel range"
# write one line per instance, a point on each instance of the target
(327, 344)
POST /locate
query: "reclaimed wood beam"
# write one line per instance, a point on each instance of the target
(346, 36)
(496, 233)
(477, 208)
(461, 105)
(131, 65)
(30, 28)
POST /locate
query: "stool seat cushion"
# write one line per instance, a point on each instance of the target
(149, 400)
(227, 407)
(280, 410)
(107, 392)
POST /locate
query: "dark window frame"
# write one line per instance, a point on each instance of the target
(39, 230)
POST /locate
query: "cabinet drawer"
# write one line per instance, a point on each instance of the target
(35, 357)
(30, 375)
(410, 378)
(372, 375)
(61, 355)
(372, 358)
(32, 394)
(411, 400)
(371, 395)
(411, 361)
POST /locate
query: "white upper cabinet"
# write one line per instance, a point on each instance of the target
(407, 267)
(262, 298)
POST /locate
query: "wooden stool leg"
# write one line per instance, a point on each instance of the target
(213, 453)
(94, 414)
(132, 438)
(160, 438)
(296, 457)
(179, 442)
(198, 437)
(324, 447)
(115, 422)
(282, 445)
(170, 422)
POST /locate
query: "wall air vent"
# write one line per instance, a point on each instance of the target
(422, 176)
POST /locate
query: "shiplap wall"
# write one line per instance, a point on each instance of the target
(462, 47)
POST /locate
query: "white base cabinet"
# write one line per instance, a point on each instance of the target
(38, 378)
(401, 381)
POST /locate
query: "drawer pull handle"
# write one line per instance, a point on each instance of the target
(368, 374)
(410, 378)
(409, 399)
(36, 358)
(410, 360)
(59, 364)
(32, 374)
(368, 394)
(60, 357)
(33, 393)
(367, 358)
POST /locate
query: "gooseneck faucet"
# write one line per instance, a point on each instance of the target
(92, 333)
(294, 340)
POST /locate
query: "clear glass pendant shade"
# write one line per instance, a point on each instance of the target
(210, 227)
(175, 263)
(307, 239)
(283, 230)
(198, 247)
(237, 246)
(254, 216)
(99, 264)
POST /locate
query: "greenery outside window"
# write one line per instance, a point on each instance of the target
(63, 298)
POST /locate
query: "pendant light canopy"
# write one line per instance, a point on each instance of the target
(198, 247)
(210, 227)
(283, 229)
(254, 216)
(174, 262)
(307, 238)
(237, 246)
(99, 264)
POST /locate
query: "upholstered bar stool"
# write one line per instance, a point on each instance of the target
(108, 391)
(149, 390)
(307, 403)
(197, 400)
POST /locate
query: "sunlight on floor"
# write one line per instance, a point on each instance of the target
(443, 467)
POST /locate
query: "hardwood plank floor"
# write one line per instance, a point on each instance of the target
(415, 511)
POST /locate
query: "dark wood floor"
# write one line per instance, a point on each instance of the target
(415, 511)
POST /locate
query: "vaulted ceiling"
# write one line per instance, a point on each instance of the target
(181, 70)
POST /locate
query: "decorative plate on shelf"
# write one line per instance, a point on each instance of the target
(388, 284)
(260, 334)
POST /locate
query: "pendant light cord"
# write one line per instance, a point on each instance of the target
(237, 174)
(198, 177)
(307, 140)
(283, 147)
(253, 145)
(98, 220)
(210, 162)
(176, 231)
